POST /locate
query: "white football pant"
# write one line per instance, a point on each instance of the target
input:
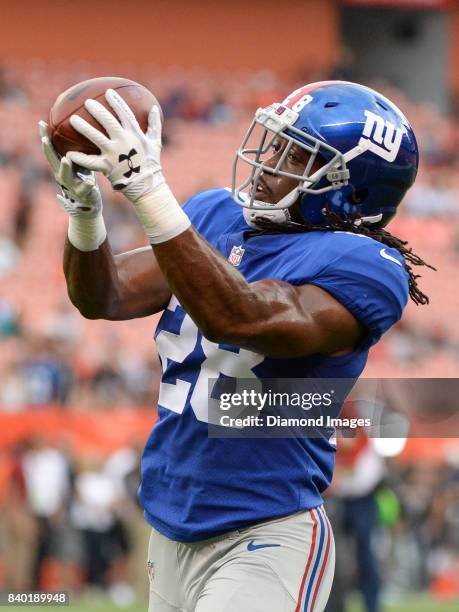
(282, 565)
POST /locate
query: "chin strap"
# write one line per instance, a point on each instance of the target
(280, 216)
(251, 216)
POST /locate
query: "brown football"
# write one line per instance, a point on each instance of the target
(71, 102)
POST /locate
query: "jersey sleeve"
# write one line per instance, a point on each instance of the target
(371, 281)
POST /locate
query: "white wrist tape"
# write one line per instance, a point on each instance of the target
(87, 234)
(161, 215)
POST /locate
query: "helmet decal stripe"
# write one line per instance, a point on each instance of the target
(296, 96)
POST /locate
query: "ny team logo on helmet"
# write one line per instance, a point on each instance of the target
(383, 138)
(361, 146)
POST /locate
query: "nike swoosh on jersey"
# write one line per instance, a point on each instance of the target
(251, 546)
(383, 253)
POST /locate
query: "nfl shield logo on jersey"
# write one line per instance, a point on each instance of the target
(151, 569)
(237, 253)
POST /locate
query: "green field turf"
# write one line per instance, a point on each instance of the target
(411, 604)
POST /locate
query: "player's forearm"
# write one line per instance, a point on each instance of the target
(92, 281)
(224, 306)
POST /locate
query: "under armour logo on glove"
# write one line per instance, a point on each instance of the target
(127, 158)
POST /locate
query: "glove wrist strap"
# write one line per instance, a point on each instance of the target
(86, 234)
(161, 215)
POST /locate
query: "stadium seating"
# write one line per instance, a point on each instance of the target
(198, 155)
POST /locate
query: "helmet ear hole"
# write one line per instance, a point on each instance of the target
(358, 196)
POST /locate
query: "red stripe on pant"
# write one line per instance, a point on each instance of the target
(324, 563)
(310, 558)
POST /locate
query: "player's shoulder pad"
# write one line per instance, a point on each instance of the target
(369, 252)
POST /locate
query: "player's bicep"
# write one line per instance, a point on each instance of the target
(296, 321)
(142, 288)
(329, 327)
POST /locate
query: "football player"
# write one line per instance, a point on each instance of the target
(288, 274)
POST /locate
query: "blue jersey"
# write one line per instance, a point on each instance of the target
(195, 487)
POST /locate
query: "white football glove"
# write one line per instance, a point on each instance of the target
(80, 195)
(80, 198)
(129, 158)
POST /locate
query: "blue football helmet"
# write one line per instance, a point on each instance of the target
(366, 148)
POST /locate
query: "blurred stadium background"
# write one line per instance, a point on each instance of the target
(77, 397)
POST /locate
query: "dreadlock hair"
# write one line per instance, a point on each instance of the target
(355, 226)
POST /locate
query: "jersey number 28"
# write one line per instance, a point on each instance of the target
(179, 347)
